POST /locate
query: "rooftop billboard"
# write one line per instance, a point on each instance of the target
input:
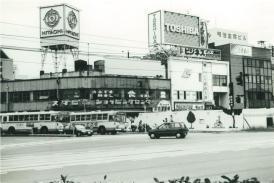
(178, 29)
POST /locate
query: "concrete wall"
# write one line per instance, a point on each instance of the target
(208, 118)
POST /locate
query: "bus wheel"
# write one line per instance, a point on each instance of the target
(44, 130)
(11, 130)
(102, 130)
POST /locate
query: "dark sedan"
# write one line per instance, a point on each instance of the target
(177, 129)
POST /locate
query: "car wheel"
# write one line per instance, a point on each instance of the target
(152, 136)
(184, 135)
(178, 135)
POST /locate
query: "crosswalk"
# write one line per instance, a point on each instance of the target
(92, 156)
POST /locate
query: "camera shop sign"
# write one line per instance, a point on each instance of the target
(200, 53)
(59, 20)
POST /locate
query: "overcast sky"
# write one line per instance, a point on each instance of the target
(124, 23)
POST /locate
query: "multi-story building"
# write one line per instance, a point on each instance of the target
(250, 74)
(198, 83)
(6, 67)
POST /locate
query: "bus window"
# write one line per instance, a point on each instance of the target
(88, 117)
(35, 117)
(77, 117)
(31, 117)
(54, 118)
(5, 118)
(15, 118)
(72, 118)
(111, 118)
(83, 117)
(42, 117)
(26, 117)
(0, 118)
(10, 118)
(93, 117)
(100, 116)
(47, 117)
(21, 118)
(105, 116)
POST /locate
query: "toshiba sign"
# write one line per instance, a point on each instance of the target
(176, 29)
(182, 29)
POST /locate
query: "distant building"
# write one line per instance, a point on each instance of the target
(251, 75)
(6, 67)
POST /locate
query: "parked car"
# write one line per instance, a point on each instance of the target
(78, 130)
(177, 129)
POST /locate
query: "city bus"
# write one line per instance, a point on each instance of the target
(101, 122)
(33, 122)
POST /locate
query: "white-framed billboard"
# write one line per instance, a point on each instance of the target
(170, 28)
(59, 20)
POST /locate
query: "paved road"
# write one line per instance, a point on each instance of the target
(137, 158)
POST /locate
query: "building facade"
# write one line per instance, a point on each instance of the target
(250, 74)
(85, 93)
(198, 83)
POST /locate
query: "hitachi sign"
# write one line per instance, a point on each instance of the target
(181, 29)
(52, 32)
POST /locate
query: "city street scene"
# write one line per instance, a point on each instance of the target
(117, 91)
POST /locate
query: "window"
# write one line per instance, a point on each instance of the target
(21, 118)
(88, 117)
(93, 117)
(178, 94)
(219, 80)
(15, 118)
(200, 77)
(26, 117)
(42, 117)
(10, 118)
(83, 117)
(199, 95)
(77, 117)
(105, 116)
(72, 118)
(111, 118)
(100, 116)
(47, 116)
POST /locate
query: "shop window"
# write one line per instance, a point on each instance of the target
(261, 96)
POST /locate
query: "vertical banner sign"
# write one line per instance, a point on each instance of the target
(203, 34)
(154, 28)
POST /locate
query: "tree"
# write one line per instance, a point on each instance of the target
(191, 118)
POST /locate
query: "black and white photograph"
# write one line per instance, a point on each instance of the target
(137, 91)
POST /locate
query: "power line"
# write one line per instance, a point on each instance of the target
(88, 34)
(92, 43)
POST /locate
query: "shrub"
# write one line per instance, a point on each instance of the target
(191, 118)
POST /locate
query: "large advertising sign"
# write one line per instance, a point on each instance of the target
(59, 20)
(171, 28)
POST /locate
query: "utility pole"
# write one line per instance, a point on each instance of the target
(7, 98)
